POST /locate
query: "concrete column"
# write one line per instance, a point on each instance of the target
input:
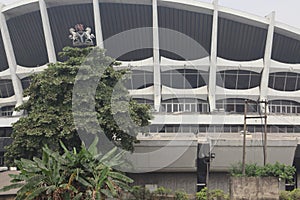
(47, 32)
(267, 60)
(156, 57)
(12, 63)
(213, 59)
(98, 25)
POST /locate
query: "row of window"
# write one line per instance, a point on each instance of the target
(184, 105)
(227, 105)
(221, 129)
(239, 79)
(236, 106)
(7, 111)
(231, 79)
(184, 78)
(284, 81)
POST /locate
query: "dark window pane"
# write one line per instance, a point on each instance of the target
(220, 80)
(166, 79)
(240, 108)
(243, 82)
(177, 81)
(6, 88)
(230, 81)
(290, 84)
(191, 81)
(279, 83)
(255, 80)
(271, 81)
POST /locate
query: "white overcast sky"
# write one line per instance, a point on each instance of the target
(287, 11)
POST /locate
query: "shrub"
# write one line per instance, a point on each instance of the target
(213, 195)
(201, 195)
(285, 195)
(295, 194)
(140, 193)
(290, 195)
(162, 191)
(278, 170)
(181, 195)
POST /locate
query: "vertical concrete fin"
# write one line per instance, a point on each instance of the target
(11, 59)
(98, 24)
(47, 32)
(213, 59)
(156, 58)
(267, 59)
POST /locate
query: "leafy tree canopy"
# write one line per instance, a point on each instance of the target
(49, 116)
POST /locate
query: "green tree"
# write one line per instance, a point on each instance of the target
(49, 116)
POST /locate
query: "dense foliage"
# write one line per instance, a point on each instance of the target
(161, 193)
(49, 107)
(72, 175)
(278, 170)
(213, 194)
(290, 195)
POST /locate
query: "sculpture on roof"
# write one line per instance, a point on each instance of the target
(81, 36)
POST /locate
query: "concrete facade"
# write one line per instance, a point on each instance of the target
(252, 188)
(174, 181)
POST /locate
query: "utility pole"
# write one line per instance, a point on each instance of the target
(207, 159)
(265, 132)
(245, 132)
(244, 138)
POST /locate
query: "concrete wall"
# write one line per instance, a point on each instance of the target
(254, 188)
(175, 181)
(219, 181)
(7, 197)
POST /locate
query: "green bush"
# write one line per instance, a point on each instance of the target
(290, 195)
(161, 191)
(285, 195)
(213, 195)
(278, 170)
(140, 193)
(295, 194)
(201, 195)
(181, 195)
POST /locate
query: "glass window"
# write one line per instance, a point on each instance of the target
(243, 81)
(6, 88)
(202, 129)
(139, 80)
(238, 79)
(279, 83)
(25, 83)
(191, 81)
(184, 78)
(184, 105)
(193, 108)
(283, 106)
(239, 108)
(175, 107)
(186, 129)
(259, 129)
(5, 132)
(284, 81)
(187, 108)
(169, 108)
(230, 81)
